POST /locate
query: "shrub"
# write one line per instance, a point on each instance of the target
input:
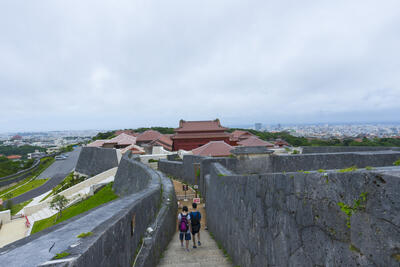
(61, 255)
(83, 235)
(349, 169)
(9, 205)
(153, 160)
(396, 163)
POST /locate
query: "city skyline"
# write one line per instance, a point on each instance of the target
(99, 65)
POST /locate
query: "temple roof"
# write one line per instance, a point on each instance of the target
(122, 139)
(200, 126)
(255, 141)
(240, 135)
(149, 135)
(97, 143)
(213, 149)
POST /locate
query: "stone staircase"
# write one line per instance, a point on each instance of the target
(206, 255)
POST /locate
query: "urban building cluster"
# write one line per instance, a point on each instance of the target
(340, 131)
(51, 141)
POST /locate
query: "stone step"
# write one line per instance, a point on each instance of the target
(197, 264)
(203, 260)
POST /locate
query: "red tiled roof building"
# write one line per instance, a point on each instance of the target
(194, 134)
(255, 141)
(148, 137)
(214, 149)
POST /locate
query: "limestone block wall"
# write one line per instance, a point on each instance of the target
(95, 160)
(341, 149)
(293, 219)
(117, 227)
(132, 175)
(163, 227)
(5, 216)
(172, 168)
(288, 163)
(189, 174)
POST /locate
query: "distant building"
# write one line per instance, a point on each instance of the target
(129, 132)
(16, 138)
(164, 140)
(121, 141)
(257, 126)
(281, 143)
(239, 135)
(147, 137)
(97, 143)
(36, 155)
(213, 149)
(255, 141)
(194, 134)
(14, 157)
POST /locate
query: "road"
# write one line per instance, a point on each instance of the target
(56, 172)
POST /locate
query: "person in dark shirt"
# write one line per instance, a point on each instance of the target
(195, 218)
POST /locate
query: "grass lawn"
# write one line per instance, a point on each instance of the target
(27, 187)
(44, 164)
(105, 195)
(18, 207)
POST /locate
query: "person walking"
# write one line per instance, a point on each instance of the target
(195, 218)
(184, 226)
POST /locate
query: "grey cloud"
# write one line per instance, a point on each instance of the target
(120, 64)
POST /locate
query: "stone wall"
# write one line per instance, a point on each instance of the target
(341, 149)
(288, 163)
(163, 226)
(95, 160)
(189, 173)
(293, 219)
(172, 168)
(132, 176)
(117, 227)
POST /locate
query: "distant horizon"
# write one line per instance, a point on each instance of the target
(246, 126)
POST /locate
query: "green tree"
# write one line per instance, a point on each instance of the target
(59, 202)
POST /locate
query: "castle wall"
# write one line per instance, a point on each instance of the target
(341, 149)
(95, 160)
(119, 228)
(293, 219)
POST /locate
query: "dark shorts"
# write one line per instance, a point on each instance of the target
(187, 236)
(195, 229)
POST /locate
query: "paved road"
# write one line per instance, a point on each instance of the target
(56, 172)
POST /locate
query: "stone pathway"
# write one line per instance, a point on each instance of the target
(12, 231)
(206, 255)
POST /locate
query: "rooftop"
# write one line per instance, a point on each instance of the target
(200, 126)
(255, 141)
(149, 135)
(213, 149)
(122, 139)
(97, 143)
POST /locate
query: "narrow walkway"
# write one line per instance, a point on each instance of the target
(12, 231)
(206, 255)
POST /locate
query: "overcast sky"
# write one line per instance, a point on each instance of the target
(124, 64)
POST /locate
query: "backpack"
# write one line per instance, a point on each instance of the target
(195, 220)
(183, 225)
